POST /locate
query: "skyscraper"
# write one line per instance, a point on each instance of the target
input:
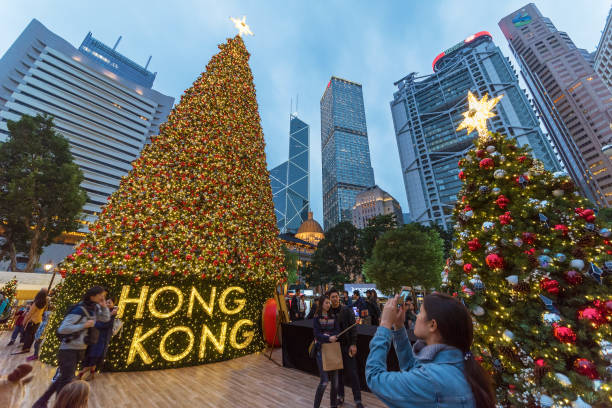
(345, 151)
(374, 202)
(102, 103)
(603, 54)
(426, 111)
(290, 180)
(572, 100)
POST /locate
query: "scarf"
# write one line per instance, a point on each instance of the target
(424, 352)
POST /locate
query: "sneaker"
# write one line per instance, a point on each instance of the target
(32, 358)
(11, 343)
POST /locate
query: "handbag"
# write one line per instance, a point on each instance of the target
(331, 356)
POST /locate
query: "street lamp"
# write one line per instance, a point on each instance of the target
(48, 266)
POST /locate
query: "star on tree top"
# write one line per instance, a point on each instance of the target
(242, 26)
(478, 113)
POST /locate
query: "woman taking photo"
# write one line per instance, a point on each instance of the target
(325, 331)
(440, 370)
(33, 319)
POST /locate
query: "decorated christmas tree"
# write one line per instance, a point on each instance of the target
(9, 291)
(188, 243)
(531, 263)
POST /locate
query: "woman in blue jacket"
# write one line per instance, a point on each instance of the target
(439, 371)
(325, 331)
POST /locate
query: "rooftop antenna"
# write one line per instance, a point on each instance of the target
(117, 43)
(149, 60)
(291, 107)
(297, 103)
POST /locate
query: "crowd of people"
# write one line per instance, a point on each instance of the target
(85, 333)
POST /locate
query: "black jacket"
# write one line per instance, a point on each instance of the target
(374, 312)
(346, 318)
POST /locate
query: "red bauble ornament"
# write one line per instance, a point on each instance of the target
(461, 175)
(474, 245)
(481, 153)
(487, 164)
(136, 279)
(522, 158)
(502, 201)
(573, 277)
(505, 219)
(586, 368)
(529, 238)
(593, 315)
(562, 228)
(564, 334)
(540, 362)
(467, 268)
(549, 285)
(63, 273)
(494, 261)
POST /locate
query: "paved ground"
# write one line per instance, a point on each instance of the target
(251, 381)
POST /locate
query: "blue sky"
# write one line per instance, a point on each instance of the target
(297, 46)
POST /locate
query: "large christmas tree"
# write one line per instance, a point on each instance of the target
(188, 243)
(531, 264)
(9, 291)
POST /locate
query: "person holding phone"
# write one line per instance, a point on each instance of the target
(95, 354)
(73, 332)
(440, 369)
(325, 331)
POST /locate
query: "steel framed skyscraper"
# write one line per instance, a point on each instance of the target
(290, 180)
(603, 54)
(572, 99)
(102, 103)
(345, 151)
(426, 111)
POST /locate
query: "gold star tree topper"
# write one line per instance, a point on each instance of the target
(478, 113)
(242, 26)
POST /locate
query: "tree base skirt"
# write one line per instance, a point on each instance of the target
(170, 321)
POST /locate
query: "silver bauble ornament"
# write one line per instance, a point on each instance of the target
(488, 226)
(579, 403)
(517, 241)
(604, 232)
(577, 264)
(546, 401)
(508, 335)
(469, 158)
(563, 379)
(558, 192)
(597, 385)
(496, 190)
(478, 310)
(559, 257)
(477, 283)
(544, 261)
(550, 318)
(502, 158)
(483, 189)
(490, 149)
(468, 214)
(464, 235)
(459, 261)
(491, 249)
(512, 279)
(458, 252)
(606, 350)
(499, 173)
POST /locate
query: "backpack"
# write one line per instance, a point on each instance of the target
(91, 337)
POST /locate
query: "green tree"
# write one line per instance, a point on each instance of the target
(338, 258)
(40, 193)
(377, 226)
(447, 236)
(408, 256)
(291, 264)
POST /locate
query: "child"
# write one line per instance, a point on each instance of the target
(19, 329)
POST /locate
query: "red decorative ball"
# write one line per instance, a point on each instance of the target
(562, 228)
(494, 261)
(505, 219)
(461, 175)
(564, 334)
(467, 268)
(529, 238)
(586, 368)
(481, 153)
(502, 201)
(522, 158)
(268, 318)
(474, 245)
(573, 277)
(487, 164)
(540, 362)
(593, 315)
(549, 285)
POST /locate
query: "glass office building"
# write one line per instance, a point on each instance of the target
(426, 111)
(290, 180)
(345, 151)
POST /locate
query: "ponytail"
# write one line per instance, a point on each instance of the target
(455, 326)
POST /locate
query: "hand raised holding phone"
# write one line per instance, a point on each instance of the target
(394, 313)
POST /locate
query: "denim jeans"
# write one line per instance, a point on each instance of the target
(350, 371)
(325, 377)
(18, 331)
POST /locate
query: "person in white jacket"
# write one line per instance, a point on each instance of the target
(73, 332)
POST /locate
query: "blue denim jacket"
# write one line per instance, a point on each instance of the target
(439, 383)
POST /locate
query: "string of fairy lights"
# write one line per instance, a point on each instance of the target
(530, 263)
(188, 243)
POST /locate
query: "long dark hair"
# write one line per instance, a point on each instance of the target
(455, 326)
(40, 300)
(320, 302)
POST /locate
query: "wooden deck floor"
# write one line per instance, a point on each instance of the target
(251, 381)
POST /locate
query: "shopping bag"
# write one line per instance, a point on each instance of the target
(331, 354)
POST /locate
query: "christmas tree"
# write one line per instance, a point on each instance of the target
(531, 264)
(9, 291)
(188, 243)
